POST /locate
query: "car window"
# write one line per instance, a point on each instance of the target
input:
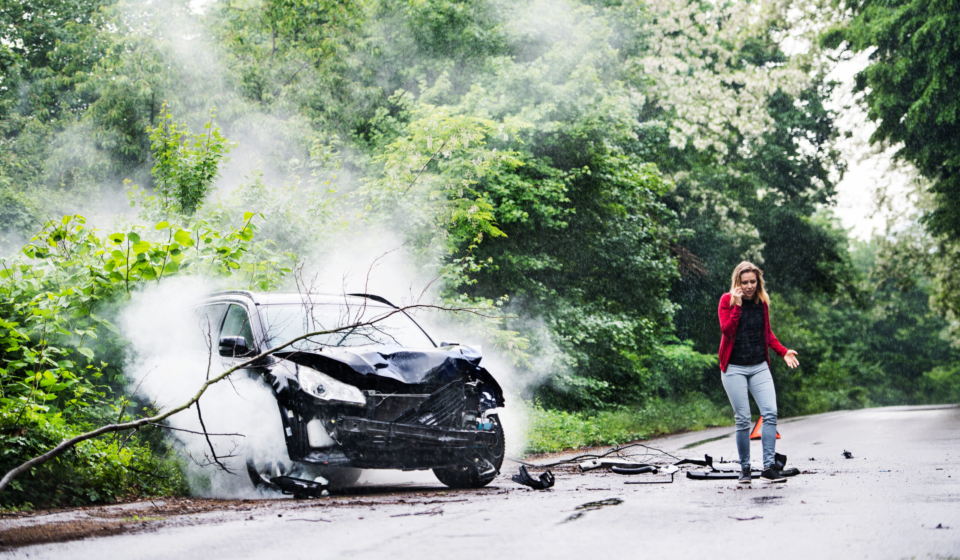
(209, 318)
(286, 322)
(238, 324)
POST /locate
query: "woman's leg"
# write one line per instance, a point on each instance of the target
(761, 386)
(735, 384)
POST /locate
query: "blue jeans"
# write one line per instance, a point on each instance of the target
(737, 380)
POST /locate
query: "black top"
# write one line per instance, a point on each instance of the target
(748, 347)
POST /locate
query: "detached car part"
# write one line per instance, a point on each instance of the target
(635, 470)
(593, 464)
(544, 481)
(731, 471)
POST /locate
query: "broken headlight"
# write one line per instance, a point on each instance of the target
(322, 386)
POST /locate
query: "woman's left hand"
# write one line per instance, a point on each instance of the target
(791, 358)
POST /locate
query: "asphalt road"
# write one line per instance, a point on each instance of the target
(899, 497)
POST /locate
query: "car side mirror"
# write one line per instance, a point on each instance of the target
(234, 347)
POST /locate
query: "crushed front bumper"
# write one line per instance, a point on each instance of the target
(377, 433)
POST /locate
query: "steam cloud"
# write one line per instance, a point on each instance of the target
(168, 360)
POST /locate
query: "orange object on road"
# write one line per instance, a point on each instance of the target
(756, 429)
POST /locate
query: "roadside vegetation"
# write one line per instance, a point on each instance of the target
(593, 170)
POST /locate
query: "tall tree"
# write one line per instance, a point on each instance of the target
(912, 89)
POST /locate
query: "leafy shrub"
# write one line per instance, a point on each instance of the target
(59, 352)
(99, 470)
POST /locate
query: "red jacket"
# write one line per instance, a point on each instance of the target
(730, 319)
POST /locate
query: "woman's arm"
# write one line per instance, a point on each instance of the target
(772, 342)
(729, 314)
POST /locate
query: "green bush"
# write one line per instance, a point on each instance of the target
(94, 471)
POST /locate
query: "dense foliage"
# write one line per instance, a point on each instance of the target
(912, 92)
(600, 167)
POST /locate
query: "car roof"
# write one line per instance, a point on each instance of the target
(290, 298)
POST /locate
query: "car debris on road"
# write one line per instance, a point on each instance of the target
(724, 470)
(544, 481)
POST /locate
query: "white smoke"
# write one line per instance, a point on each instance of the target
(170, 360)
(172, 353)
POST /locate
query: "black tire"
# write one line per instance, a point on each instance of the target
(468, 475)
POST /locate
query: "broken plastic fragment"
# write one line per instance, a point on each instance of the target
(546, 480)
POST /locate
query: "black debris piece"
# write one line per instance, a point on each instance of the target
(593, 464)
(718, 475)
(300, 488)
(707, 462)
(847, 454)
(780, 460)
(634, 470)
(545, 480)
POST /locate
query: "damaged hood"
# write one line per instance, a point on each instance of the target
(407, 365)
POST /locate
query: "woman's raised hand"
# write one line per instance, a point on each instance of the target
(791, 359)
(736, 296)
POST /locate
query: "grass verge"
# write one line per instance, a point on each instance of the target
(557, 430)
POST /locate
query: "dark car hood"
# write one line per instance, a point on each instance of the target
(407, 365)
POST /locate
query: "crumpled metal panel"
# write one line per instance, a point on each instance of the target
(407, 365)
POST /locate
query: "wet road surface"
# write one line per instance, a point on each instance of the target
(899, 497)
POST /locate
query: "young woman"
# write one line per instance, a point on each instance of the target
(745, 364)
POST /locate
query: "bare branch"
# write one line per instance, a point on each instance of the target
(192, 432)
(136, 424)
(206, 436)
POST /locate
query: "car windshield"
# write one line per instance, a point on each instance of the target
(287, 321)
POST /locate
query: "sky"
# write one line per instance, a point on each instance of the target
(869, 167)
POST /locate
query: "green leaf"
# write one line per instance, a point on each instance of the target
(247, 216)
(86, 352)
(141, 247)
(162, 225)
(183, 237)
(116, 238)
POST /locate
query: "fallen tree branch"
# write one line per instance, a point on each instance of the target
(210, 443)
(136, 424)
(192, 431)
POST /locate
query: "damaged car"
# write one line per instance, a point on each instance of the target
(374, 392)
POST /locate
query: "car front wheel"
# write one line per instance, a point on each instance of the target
(472, 474)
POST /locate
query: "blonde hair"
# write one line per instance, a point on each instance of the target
(747, 266)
